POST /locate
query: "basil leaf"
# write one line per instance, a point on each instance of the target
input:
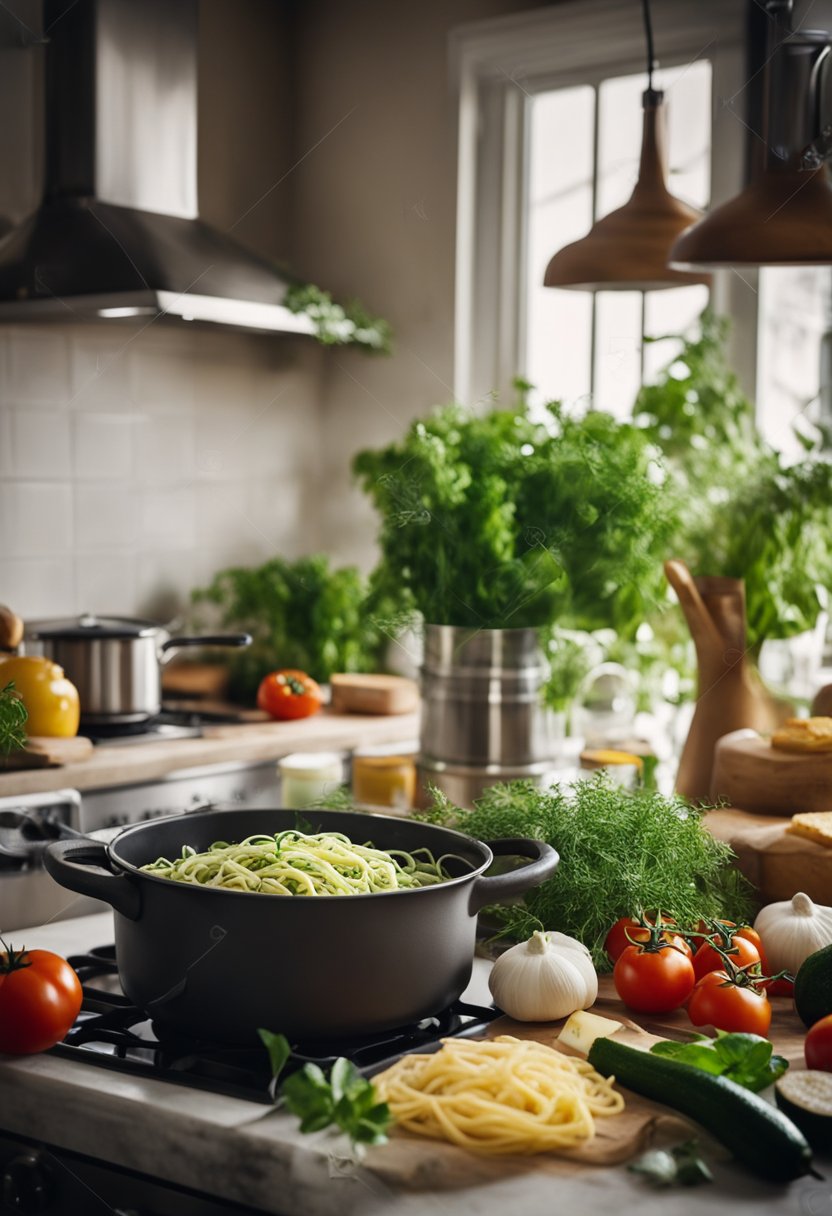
(277, 1045)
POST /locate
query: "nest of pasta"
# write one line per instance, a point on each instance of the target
(498, 1096)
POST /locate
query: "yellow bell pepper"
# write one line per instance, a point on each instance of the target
(51, 699)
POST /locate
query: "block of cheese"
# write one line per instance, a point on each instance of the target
(814, 825)
(804, 735)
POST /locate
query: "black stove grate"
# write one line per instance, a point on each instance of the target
(112, 1033)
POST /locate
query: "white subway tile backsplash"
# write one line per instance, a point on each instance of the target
(163, 584)
(105, 583)
(38, 586)
(100, 373)
(103, 445)
(105, 516)
(168, 519)
(5, 442)
(38, 366)
(164, 449)
(37, 518)
(160, 380)
(40, 444)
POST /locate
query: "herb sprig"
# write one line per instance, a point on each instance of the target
(344, 1099)
(13, 718)
(746, 1059)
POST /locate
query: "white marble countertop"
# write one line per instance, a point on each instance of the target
(248, 1154)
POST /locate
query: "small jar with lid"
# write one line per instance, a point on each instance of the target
(385, 776)
(624, 767)
(307, 778)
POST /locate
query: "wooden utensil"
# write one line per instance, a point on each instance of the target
(730, 693)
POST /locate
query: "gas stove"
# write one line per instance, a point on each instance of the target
(112, 1033)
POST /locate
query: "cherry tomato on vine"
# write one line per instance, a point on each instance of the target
(288, 694)
(654, 980)
(40, 996)
(782, 987)
(818, 1045)
(707, 959)
(719, 1001)
(616, 941)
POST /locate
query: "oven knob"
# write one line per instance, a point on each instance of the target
(28, 1184)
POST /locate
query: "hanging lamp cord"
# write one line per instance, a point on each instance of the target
(652, 94)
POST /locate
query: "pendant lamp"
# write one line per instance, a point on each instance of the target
(784, 216)
(627, 250)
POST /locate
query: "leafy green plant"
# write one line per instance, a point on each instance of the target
(300, 614)
(746, 1059)
(502, 520)
(13, 718)
(742, 511)
(339, 324)
(620, 849)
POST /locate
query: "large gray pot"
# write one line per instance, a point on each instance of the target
(482, 717)
(219, 964)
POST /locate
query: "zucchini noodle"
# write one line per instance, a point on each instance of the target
(293, 863)
(501, 1095)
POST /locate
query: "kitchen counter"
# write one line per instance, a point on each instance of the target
(134, 762)
(253, 1155)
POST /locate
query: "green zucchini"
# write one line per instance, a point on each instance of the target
(813, 987)
(757, 1134)
(805, 1096)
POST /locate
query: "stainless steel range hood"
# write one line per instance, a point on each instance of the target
(117, 233)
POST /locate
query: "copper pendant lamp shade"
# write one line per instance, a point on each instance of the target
(784, 216)
(627, 250)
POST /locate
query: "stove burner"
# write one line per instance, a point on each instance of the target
(112, 1033)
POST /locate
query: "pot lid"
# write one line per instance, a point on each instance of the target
(89, 625)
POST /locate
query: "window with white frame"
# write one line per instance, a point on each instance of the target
(550, 131)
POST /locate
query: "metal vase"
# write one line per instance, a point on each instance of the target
(482, 716)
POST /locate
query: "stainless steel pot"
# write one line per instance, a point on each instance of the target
(115, 662)
(482, 717)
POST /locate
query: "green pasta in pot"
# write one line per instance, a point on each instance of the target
(294, 863)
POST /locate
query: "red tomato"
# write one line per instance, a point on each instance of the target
(653, 981)
(616, 941)
(288, 694)
(40, 996)
(707, 959)
(780, 988)
(818, 1045)
(718, 1002)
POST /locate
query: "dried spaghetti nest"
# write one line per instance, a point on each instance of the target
(499, 1096)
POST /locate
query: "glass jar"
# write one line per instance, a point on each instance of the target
(306, 778)
(384, 778)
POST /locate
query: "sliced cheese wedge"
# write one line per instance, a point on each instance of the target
(583, 1028)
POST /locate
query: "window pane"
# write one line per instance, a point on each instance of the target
(617, 351)
(794, 334)
(559, 323)
(669, 312)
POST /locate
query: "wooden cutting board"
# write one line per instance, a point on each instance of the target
(416, 1163)
(750, 773)
(43, 752)
(775, 861)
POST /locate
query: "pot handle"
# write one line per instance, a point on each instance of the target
(491, 889)
(81, 866)
(212, 639)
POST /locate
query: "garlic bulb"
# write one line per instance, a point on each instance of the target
(546, 978)
(792, 930)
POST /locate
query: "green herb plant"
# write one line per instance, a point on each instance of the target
(344, 1100)
(301, 614)
(678, 1166)
(620, 849)
(339, 324)
(507, 520)
(746, 1059)
(13, 718)
(742, 510)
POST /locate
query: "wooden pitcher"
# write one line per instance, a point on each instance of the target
(730, 693)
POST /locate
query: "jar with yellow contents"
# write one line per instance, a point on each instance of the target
(385, 777)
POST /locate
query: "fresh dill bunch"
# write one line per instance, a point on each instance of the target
(13, 717)
(620, 851)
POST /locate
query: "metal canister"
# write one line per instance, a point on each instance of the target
(482, 717)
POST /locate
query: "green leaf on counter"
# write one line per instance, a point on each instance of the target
(680, 1166)
(345, 1099)
(746, 1059)
(277, 1045)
